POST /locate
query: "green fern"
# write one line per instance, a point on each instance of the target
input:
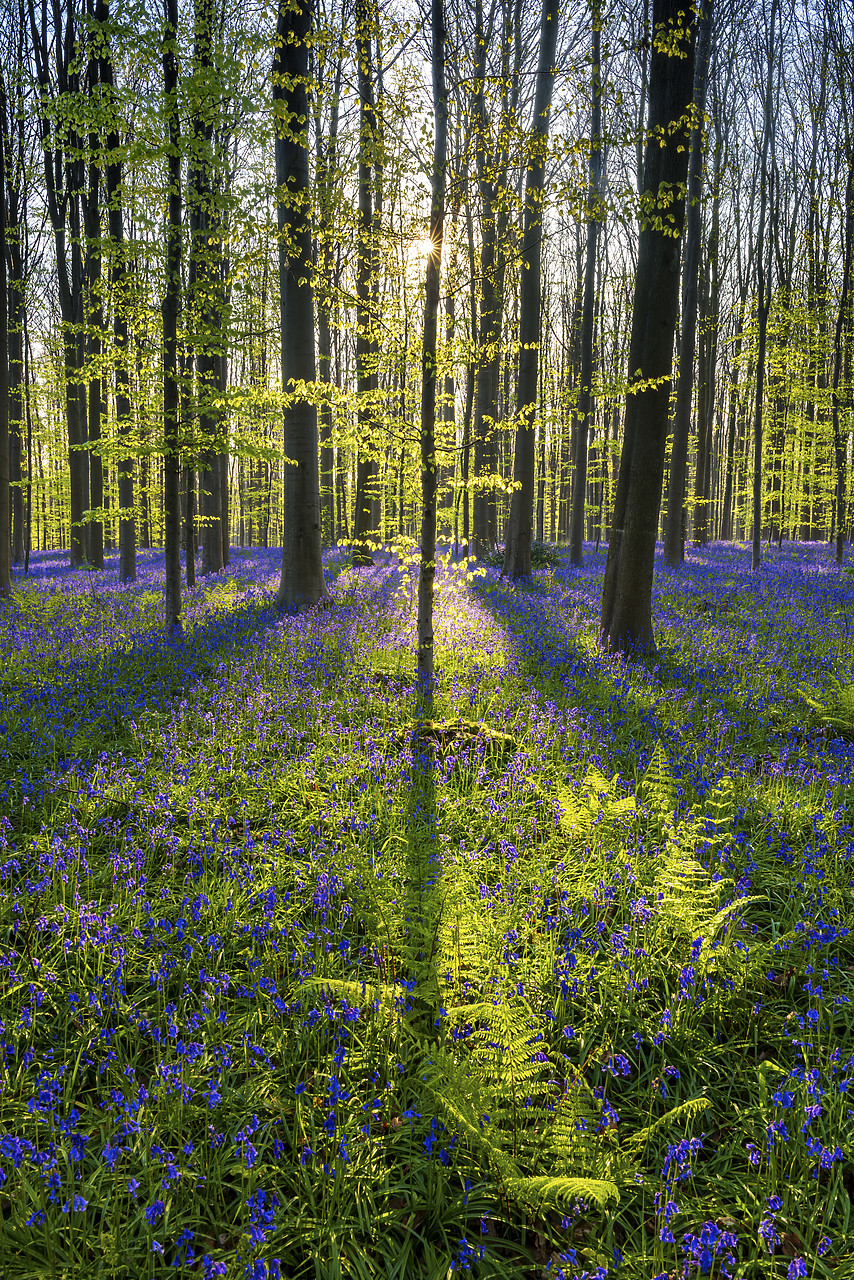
(838, 713)
(542, 1193)
(465, 1097)
(688, 1110)
(576, 811)
(658, 788)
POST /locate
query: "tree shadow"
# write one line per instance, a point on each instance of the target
(422, 872)
(630, 704)
(83, 695)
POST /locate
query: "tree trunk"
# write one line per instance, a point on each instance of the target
(63, 170)
(94, 337)
(113, 181)
(489, 329)
(366, 360)
(301, 583)
(626, 621)
(13, 137)
(5, 505)
(839, 445)
(517, 548)
(763, 294)
(586, 407)
(427, 572)
(674, 526)
(205, 291)
(171, 300)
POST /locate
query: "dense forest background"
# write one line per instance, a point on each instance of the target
(102, 151)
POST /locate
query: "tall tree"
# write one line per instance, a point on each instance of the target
(626, 620)
(94, 316)
(586, 407)
(763, 291)
(366, 355)
(843, 319)
(5, 505)
(207, 305)
(114, 195)
(16, 137)
(171, 304)
(517, 548)
(301, 583)
(674, 524)
(429, 379)
(54, 43)
(326, 181)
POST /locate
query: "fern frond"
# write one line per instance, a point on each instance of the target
(658, 789)
(382, 994)
(559, 1193)
(687, 1110)
(461, 951)
(574, 814)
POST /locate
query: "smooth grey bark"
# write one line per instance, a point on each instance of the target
(171, 302)
(586, 406)
(114, 193)
(674, 523)
(94, 333)
(63, 169)
(326, 179)
(301, 582)
(763, 295)
(366, 375)
(517, 544)
(14, 191)
(5, 504)
(842, 317)
(427, 569)
(492, 174)
(204, 289)
(626, 618)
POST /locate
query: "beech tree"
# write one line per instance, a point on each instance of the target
(366, 355)
(114, 196)
(54, 35)
(626, 619)
(585, 409)
(301, 583)
(517, 550)
(429, 375)
(763, 292)
(171, 304)
(674, 526)
(5, 504)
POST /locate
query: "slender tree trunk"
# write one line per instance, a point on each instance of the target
(489, 331)
(12, 137)
(171, 302)
(205, 299)
(429, 379)
(763, 293)
(517, 549)
(113, 182)
(705, 402)
(839, 448)
(301, 583)
(674, 526)
(626, 622)
(94, 338)
(586, 405)
(5, 505)
(64, 176)
(366, 376)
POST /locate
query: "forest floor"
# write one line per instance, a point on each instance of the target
(302, 978)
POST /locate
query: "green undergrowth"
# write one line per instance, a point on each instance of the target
(308, 977)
